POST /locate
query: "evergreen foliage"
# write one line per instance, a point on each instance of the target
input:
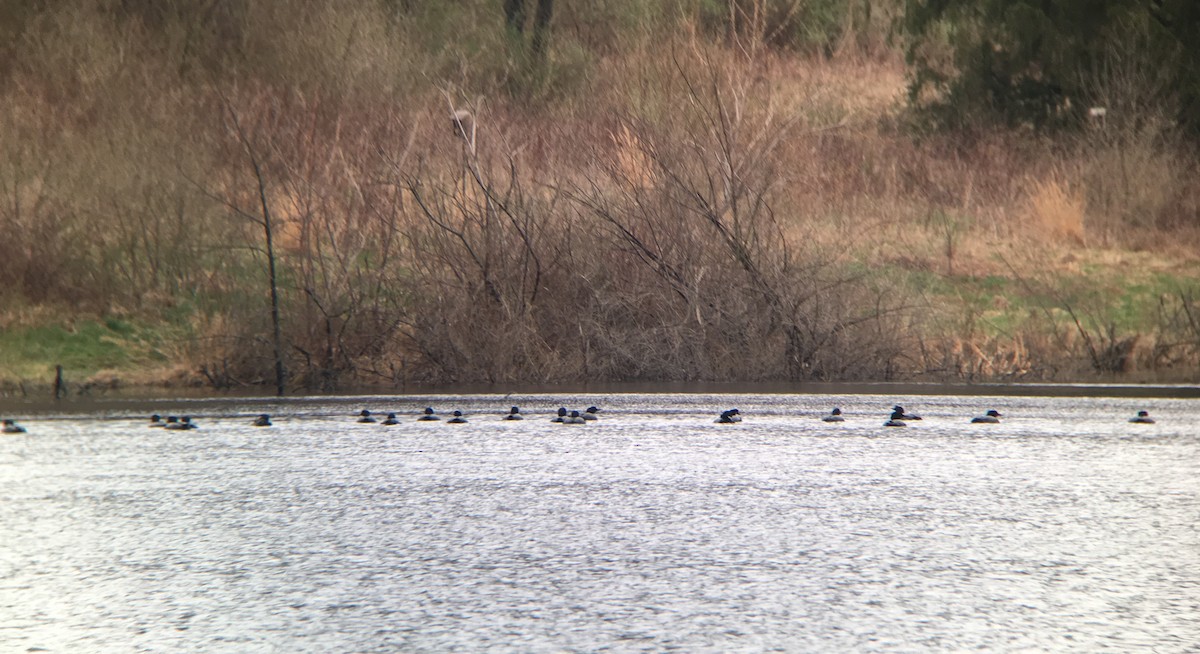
(1047, 63)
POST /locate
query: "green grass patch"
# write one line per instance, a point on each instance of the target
(999, 305)
(83, 349)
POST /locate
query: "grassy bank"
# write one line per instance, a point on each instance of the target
(657, 197)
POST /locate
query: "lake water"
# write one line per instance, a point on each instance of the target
(1064, 528)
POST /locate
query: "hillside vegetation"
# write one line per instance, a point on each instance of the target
(388, 192)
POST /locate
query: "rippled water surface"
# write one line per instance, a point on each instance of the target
(1064, 528)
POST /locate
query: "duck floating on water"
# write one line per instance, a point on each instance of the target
(729, 416)
(180, 423)
(903, 414)
(263, 420)
(365, 416)
(1143, 418)
(590, 413)
(574, 418)
(834, 416)
(897, 419)
(11, 427)
(390, 420)
(991, 417)
(562, 415)
(429, 415)
(156, 421)
(458, 418)
(514, 414)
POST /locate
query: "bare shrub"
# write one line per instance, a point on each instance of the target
(317, 174)
(489, 263)
(703, 220)
(1176, 341)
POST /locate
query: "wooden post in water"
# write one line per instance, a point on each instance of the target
(60, 387)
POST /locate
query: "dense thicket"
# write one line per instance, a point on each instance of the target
(502, 191)
(1057, 63)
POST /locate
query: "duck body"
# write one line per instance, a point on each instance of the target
(514, 414)
(834, 416)
(903, 414)
(185, 422)
(1142, 418)
(897, 419)
(590, 413)
(156, 421)
(11, 427)
(391, 420)
(429, 415)
(562, 415)
(365, 416)
(574, 419)
(458, 418)
(991, 417)
(263, 420)
(729, 416)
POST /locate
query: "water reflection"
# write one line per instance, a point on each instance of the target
(653, 528)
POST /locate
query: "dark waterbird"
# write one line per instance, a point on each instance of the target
(180, 423)
(992, 417)
(897, 419)
(1143, 418)
(729, 416)
(11, 427)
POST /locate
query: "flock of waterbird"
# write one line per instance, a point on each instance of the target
(898, 418)
(457, 417)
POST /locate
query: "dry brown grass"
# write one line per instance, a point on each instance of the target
(1057, 211)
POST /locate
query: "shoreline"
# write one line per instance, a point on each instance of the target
(42, 398)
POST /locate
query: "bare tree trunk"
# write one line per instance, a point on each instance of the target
(514, 16)
(541, 30)
(277, 338)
